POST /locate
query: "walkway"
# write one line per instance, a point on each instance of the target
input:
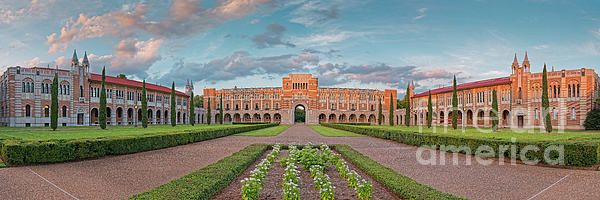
(117, 177)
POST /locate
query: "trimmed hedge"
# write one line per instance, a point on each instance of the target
(356, 123)
(246, 123)
(208, 181)
(19, 152)
(399, 184)
(575, 154)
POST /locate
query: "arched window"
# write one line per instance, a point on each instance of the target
(554, 113)
(46, 111)
(573, 114)
(27, 111)
(64, 111)
(537, 114)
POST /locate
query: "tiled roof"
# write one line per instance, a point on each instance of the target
(476, 84)
(127, 82)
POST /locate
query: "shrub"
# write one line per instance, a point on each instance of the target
(397, 183)
(592, 121)
(208, 181)
(576, 154)
(19, 152)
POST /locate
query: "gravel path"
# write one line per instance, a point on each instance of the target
(117, 177)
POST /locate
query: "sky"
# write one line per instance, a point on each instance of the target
(376, 44)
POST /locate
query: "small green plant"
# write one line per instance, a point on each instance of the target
(364, 189)
(290, 177)
(598, 168)
(251, 186)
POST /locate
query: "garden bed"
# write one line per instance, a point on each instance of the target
(272, 188)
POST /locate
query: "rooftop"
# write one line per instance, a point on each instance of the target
(464, 86)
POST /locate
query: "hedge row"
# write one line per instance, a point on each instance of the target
(575, 154)
(208, 181)
(19, 152)
(242, 123)
(399, 184)
(355, 123)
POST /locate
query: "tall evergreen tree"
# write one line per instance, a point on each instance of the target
(495, 119)
(221, 110)
(380, 118)
(54, 105)
(407, 99)
(173, 111)
(545, 102)
(192, 114)
(429, 111)
(391, 110)
(454, 105)
(102, 117)
(208, 108)
(144, 106)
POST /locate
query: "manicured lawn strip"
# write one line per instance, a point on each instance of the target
(208, 181)
(273, 131)
(331, 132)
(575, 153)
(399, 184)
(20, 152)
(66, 134)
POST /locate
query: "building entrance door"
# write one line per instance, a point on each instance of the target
(80, 119)
(520, 120)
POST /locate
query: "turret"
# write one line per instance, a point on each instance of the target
(85, 62)
(189, 87)
(515, 65)
(75, 60)
(526, 63)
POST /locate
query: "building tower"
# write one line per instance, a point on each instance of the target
(515, 65)
(526, 64)
(189, 87)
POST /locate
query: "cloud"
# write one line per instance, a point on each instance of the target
(325, 39)
(184, 18)
(134, 57)
(35, 7)
(596, 33)
(315, 12)
(541, 47)
(271, 38)
(421, 12)
(329, 53)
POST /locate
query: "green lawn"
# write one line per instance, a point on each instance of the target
(272, 131)
(331, 132)
(70, 133)
(519, 134)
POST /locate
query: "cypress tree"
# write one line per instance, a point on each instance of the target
(102, 117)
(454, 106)
(173, 111)
(545, 102)
(192, 114)
(54, 105)
(379, 120)
(429, 111)
(208, 117)
(144, 106)
(221, 110)
(494, 116)
(407, 98)
(391, 110)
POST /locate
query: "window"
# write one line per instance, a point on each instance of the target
(27, 111)
(573, 114)
(64, 111)
(537, 114)
(46, 111)
(554, 113)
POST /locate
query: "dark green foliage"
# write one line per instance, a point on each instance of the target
(429, 111)
(379, 115)
(173, 111)
(54, 105)
(199, 101)
(208, 112)
(102, 113)
(221, 110)
(208, 181)
(407, 100)
(356, 123)
(192, 114)
(576, 154)
(397, 183)
(20, 152)
(495, 119)
(546, 102)
(299, 115)
(391, 110)
(592, 121)
(144, 106)
(454, 106)
(123, 76)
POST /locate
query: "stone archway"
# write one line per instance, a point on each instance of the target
(300, 105)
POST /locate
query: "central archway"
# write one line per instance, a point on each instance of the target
(299, 114)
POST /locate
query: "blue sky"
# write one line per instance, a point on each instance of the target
(253, 43)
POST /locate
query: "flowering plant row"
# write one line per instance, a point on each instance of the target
(251, 186)
(322, 182)
(363, 188)
(290, 176)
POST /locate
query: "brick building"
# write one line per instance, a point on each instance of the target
(25, 98)
(277, 104)
(572, 94)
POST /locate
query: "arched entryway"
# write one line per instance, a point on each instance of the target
(94, 116)
(299, 114)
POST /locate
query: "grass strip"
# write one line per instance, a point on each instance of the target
(273, 131)
(399, 184)
(331, 132)
(208, 181)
